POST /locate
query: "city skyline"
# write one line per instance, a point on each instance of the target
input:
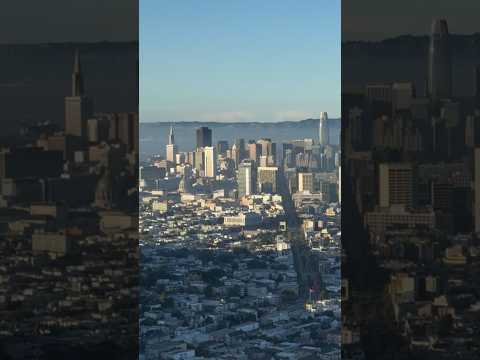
(216, 69)
(272, 208)
(304, 184)
(410, 169)
(43, 169)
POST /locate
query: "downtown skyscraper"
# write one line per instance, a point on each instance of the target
(246, 178)
(204, 137)
(171, 147)
(439, 61)
(78, 107)
(323, 134)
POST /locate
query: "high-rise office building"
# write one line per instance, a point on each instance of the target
(396, 181)
(199, 160)
(267, 178)
(268, 152)
(210, 161)
(78, 107)
(180, 158)
(171, 147)
(222, 147)
(191, 158)
(240, 143)
(128, 130)
(123, 128)
(235, 154)
(323, 134)
(329, 191)
(288, 159)
(204, 137)
(305, 182)
(98, 129)
(267, 147)
(254, 151)
(439, 61)
(185, 185)
(246, 178)
(379, 92)
(263, 161)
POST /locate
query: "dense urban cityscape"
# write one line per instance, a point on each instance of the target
(240, 249)
(412, 188)
(183, 198)
(69, 220)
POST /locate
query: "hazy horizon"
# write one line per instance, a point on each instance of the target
(230, 122)
(154, 136)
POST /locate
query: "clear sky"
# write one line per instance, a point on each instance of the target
(239, 60)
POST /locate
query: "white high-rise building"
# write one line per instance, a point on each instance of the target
(323, 131)
(305, 182)
(210, 161)
(171, 147)
(246, 178)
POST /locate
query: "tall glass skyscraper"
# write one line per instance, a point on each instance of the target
(323, 134)
(439, 61)
(204, 137)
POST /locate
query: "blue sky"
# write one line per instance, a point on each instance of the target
(239, 60)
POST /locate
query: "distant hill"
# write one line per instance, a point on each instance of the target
(417, 45)
(405, 58)
(153, 136)
(35, 78)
